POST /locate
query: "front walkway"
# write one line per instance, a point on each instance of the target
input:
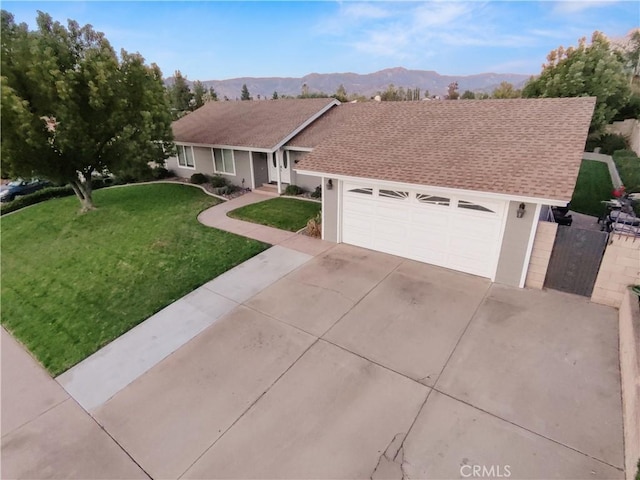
(216, 217)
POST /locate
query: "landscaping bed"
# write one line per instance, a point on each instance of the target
(73, 282)
(284, 213)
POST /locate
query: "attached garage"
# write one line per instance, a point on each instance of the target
(462, 233)
(458, 184)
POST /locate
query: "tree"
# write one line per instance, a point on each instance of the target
(452, 91)
(468, 95)
(506, 90)
(588, 70)
(180, 95)
(211, 95)
(274, 96)
(305, 91)
(629, 50)
(341, 94)
(244, 93)
(72, 107)
(199, 94)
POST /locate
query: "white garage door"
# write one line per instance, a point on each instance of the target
(454, 232)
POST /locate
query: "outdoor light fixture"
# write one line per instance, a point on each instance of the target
(329, 184)
(520, 213)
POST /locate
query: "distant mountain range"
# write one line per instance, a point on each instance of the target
(367, 85)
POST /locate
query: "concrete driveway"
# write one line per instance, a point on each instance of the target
(363, 365)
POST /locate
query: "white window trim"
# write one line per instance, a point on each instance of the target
(233, 161)
(193, 157)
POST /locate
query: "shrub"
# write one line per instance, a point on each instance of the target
(133, 174)
(218, 181)
(317, 193)
(36, 197)
(293, 190)
(630, 110)
(158, 173)
(199, 178)
(610, 142)
(314, 226)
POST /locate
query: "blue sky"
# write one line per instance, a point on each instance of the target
(219, 40)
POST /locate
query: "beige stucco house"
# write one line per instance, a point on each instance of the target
(459, 184)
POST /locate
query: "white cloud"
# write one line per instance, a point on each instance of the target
(572, 7)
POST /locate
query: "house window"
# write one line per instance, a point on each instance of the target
(473, 206)
(223, 161)
(185, 157)
(432, 199)
(285, 158)
(394, 194)
(362, 191)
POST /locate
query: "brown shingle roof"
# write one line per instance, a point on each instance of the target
(257, 124)
(523, 147)
(326, 125)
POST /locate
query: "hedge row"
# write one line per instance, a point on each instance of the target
(36, 197)
(156, 173)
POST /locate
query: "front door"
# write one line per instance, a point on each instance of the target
(273, 167)
(284, 167)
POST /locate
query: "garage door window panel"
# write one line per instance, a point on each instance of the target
(394, 194)
(360, 191)
(474, 206)
(433, 200)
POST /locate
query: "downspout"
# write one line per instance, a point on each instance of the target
(253, 176)
(278, 172)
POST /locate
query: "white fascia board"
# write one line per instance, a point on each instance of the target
(308, 122)
(298, 149)
(444, 190)
(228, 147)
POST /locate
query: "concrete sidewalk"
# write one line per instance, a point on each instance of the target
(100, 376)
(45, 433)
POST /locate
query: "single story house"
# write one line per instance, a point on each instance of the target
(244, 141)
(459, 184)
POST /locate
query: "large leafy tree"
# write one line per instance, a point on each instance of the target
(72, 107)
(586, 70)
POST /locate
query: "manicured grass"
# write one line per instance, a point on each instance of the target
(593, 186)
(73, 282)
(284, 213)
(628, 165)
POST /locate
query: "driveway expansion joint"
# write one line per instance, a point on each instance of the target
(533, 432)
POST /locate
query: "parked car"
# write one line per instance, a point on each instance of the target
(20, 187)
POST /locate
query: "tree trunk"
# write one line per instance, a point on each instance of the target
(83, 190)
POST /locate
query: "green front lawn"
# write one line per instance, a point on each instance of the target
(628, 165)
(71, 283)
(593, 186)
(283, 213)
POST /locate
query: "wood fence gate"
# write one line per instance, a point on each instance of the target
(575, 260)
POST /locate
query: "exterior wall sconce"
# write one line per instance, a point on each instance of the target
(521, 211)
(329, 184)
